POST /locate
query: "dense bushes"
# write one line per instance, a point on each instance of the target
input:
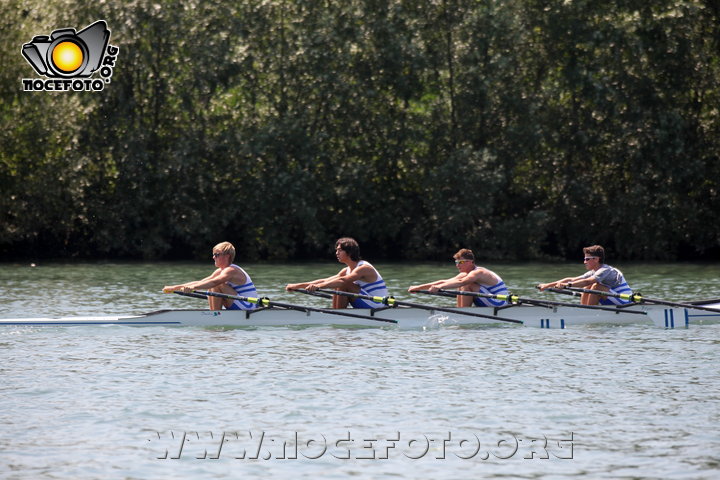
(519, 128)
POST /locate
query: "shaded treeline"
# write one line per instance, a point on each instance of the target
(519, 128)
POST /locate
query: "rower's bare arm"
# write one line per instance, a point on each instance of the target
(457, 281)
(581, 282)
(424, 286)
(311, 285)
(562, 283)
(219, 277)
(188, 287)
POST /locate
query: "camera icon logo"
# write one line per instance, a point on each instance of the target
(68, 59)
(66, 53)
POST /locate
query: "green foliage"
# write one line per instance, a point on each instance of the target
(519, 128)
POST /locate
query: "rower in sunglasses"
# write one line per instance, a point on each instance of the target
(598, 277)
(471, 278)
(227, 278)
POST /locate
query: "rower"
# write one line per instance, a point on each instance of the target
(471, 278)
(357, 277)
(598, 277)
(228, 278)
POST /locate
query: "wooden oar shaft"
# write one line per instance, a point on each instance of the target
(390, 301)
(266, 302)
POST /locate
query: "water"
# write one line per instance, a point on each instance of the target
(105, 402)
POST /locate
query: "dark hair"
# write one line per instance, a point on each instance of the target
(465, 254)
(595, 251)
(349, 246)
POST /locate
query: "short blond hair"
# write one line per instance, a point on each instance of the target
(225, 247)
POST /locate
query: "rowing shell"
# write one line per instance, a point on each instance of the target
(404, 318)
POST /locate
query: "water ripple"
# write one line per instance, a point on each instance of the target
(103, 402)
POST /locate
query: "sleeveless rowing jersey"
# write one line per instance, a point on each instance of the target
(374, 289)
(245, 290)
(498, 289)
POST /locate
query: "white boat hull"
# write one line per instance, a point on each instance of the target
(404, 318)
(676, 317)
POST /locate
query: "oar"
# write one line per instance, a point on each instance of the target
(391, 302)
(564, 292)
(515, 300)
(266, 302)
(636, 297)
(193, 295)
(327, 295)
(314, 294)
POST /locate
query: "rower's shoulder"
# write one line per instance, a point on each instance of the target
(478, 271)
(364, 265)
(234, 271)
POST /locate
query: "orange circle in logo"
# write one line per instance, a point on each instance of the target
(67, 56)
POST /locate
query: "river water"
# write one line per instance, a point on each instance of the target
(105, 402)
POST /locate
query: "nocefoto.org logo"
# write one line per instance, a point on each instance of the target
(68, 59)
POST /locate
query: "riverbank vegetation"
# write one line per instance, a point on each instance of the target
(522, 129)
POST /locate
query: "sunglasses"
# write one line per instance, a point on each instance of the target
(215, 255)
(460, 262)
(586, 259)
